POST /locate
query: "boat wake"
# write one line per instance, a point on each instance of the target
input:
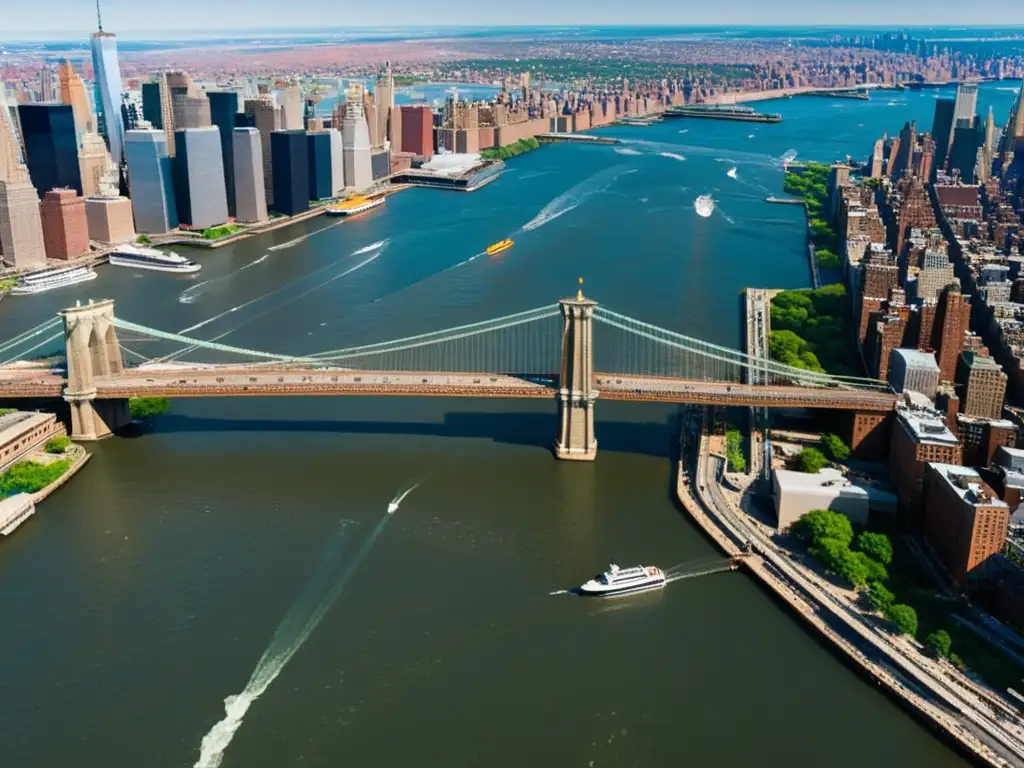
(323, 589)
(304, 238)
(672, 155)
(704, 205)
(189, 295)
(372, 247)
(627, 151)
(575, 196)
(789, 156)
(394, 504)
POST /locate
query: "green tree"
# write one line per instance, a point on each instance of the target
(904, 618)
(30, 476)
(875, 570)
(821, 524)
(939, 643)
(834, 447)
(851, 567)
(58, 444)
(148, 407)
(957, 662)
(876, 546)
(809, 460)
(734, 450)
(879, 597)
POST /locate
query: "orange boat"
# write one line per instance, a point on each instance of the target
(354, 205)
(498, 247)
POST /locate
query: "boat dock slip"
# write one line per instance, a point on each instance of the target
(784, 200)
(742, 114)
(581, 138)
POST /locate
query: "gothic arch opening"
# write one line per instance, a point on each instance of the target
(98, 354)
(115, 364)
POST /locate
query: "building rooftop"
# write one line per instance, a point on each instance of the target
(915, 358)
(926, 426)
(831, 482)
(968, 485)
(1011, 458)
(14, 424)
(974, 360)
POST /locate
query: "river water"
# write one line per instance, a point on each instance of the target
(242, 548)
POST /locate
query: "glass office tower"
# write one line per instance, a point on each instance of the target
(107, 84)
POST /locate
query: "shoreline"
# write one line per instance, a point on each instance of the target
(814, 614)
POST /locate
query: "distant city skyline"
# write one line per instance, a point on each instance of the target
(24, 21)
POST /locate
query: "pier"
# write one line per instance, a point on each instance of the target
(784, 200)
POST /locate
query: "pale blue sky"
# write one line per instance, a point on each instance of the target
(124, 16)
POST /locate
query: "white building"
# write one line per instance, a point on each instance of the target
(797, 493)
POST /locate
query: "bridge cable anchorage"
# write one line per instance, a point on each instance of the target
(728, 363)
(31, 333)
(41, 344)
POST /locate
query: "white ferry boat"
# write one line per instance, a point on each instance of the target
(624, 581)
(50, 279)
(151, 258)
(14, 511)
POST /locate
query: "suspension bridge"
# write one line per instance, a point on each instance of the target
(554, 352)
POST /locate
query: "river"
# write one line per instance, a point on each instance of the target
(147, 591)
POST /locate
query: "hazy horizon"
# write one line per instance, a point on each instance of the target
(201, 18)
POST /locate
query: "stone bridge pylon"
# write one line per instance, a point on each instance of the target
(576, 440)
(90, 340)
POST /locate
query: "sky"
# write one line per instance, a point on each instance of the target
(60, 18)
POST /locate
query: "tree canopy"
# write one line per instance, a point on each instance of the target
(820, 524)
(939, 643)
(876, 546)
(904, 618)
(820, 319)
(809, 460)
(148, 407)
(879, 596)
(834, 447)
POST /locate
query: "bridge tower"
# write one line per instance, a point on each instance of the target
(576, 440)
(92, 350)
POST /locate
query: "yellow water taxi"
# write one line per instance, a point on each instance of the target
(354, 205)
(498, 247)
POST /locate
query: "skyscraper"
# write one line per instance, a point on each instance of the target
(337, 162)
(966, 103)
(952, 321)
(265, 117)
(107, 76)
(223, 109)
(291, 171)
(151, 104)
(51, 146)
(65, 230)
(12, 167)
(72, 93)
(48, 85)
(250, 193)
(21, 230)
(418, 131)
(983, 385)
(100, 177)
(199, 178)
(968, 138)
(356, 141)
(319, 151)
(150, 175)
(291, 108)
(190, 111)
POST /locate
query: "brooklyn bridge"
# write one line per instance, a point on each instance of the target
(572, 352)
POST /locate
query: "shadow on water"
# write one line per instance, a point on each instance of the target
(535, 429)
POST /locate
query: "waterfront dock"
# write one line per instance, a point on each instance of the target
(784, 200)
(581, 138)
(832, 94)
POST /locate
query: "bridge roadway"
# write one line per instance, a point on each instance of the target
(288, 381)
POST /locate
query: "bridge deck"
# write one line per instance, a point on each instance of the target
(280, 380)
